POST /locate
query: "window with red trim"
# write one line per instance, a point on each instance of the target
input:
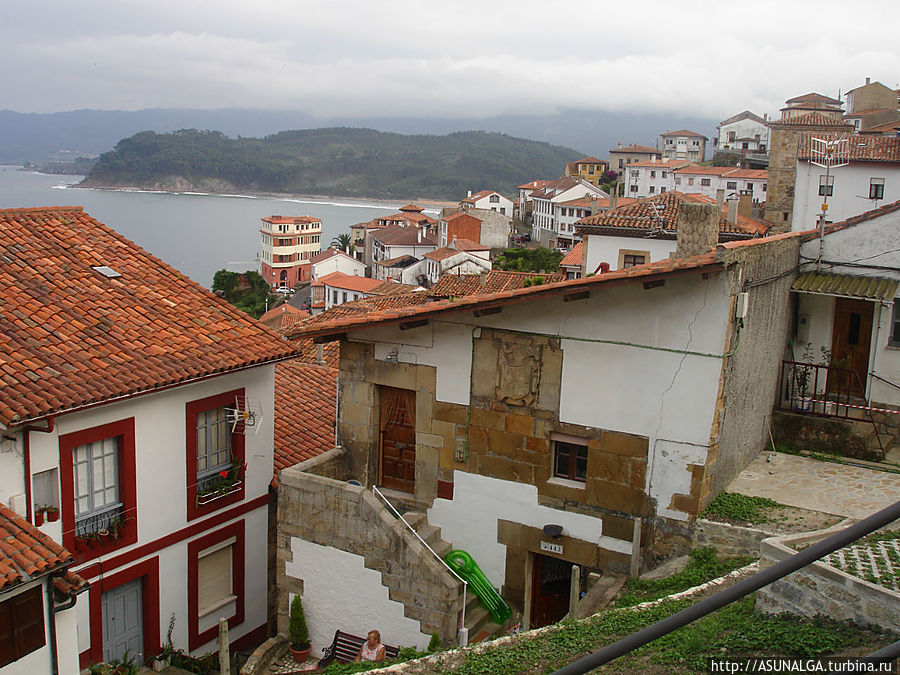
(99, 489)
(215, 583)
(216, 469)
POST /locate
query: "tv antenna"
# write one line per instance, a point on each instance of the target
(246, 414)
(828, 153)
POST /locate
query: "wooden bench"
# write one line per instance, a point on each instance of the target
(345, 647)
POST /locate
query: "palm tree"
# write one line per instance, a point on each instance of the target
(342, 242)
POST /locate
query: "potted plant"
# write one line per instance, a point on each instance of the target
(52, 513)
(38, 515)
(297, 631)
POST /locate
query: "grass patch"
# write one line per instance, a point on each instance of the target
(741, 507)
(703, 566)
(403, 655)
(735, 630)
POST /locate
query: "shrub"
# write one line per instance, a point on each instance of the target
(297, 631)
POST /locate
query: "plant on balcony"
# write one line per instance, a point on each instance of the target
(224, 483)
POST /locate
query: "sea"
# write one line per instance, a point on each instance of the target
(196, 233)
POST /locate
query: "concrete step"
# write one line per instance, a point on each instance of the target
(599, 595)
(415, 519)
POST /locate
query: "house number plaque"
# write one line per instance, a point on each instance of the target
(552, 548)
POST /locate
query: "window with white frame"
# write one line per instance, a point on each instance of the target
(705, 182)
(876, 188)
(96, 467)
(213, 443)
(826, 185)
(731, 185)
(495, 199)
(215, 577)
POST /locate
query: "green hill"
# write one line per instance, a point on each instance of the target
(338, 161)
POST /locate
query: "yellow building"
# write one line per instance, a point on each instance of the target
(589, 169)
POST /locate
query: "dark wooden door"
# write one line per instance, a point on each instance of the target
(398, 438)
(851, 341)
(550, 583)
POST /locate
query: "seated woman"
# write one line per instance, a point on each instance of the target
(372, 650)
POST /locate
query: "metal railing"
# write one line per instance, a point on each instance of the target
(100, 522)
(750, 585)
(462, 619)
(827, 391)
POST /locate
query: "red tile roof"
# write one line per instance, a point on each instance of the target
(73, 337)
(402, 261)
(305, 401)
(588, 160)
(665, 163)
(291, 219)
(394, 235)
(813, 98)
(813, 119)
(469, 245)
(574, 257)
(441, 253)
(348, 282)
(412, 208)
(533, 185)
(661, 213)
(282, 316)
(494, 281)
(362, 307)
(637, 148)
(26, 552)
(328, 253)
(683, 132)
(480, 195)
(863, 148)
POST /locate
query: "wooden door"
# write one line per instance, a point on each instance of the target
(550, 584)
(398, 438)
(851, 341)
(122, 622)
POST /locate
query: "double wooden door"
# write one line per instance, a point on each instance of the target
(398, 438)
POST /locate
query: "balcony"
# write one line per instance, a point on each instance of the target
(106, 522)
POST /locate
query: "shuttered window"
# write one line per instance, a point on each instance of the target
(21, 625)
(215, 583)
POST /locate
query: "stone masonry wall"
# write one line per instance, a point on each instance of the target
(353, 519)
(822, 589)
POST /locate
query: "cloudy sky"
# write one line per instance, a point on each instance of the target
(443, 59)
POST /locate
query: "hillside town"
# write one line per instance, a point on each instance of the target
(459, 426)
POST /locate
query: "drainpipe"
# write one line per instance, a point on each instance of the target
(51, 615)
(26, 454)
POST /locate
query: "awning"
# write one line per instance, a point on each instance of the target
(846, 286)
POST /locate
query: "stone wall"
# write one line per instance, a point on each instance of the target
(783, 144)
(821, 589)
(352, 519)
(824, 434)
(729, 540)
(750, 376)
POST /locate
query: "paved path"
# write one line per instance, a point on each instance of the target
(819, 486)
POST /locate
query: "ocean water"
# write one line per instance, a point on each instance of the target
(196, 233)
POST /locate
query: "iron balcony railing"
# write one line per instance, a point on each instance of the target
(100, 523)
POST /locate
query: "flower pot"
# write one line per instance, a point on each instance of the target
(300, 655)
(802, 403)
(160, 664)
(38, 518)
(52, 516)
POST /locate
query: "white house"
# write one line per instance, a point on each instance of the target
(708, 180)
(653, 177)
(395, 241)
(488, 200)
(547, 210)
(869, 179)
(646, 231)
(450, 260)
(542, 427)
(331, 260)
(138, 407)
(744, 132)
(684, 144)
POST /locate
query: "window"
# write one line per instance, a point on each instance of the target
(677, 180)
(661, 190)
(98, 488)
(343, 297)
(652, 174)
(665, 173)
(621, 162)
(570, 460)
(894, 340)
(749, 186)
(503, 210)
(652, 189)
(731, 185)
(630, 260)
(732, 136)
(591, 169)
(705, 182)
(745, 145)
(215, 582)
(633, 188)
(334, 297)
(690, 181)
(495, 199)
(215, 454)
(765, 185)
(876, 188)
(21, 625)
(826, 190)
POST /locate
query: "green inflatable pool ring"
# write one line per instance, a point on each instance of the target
(464, 565)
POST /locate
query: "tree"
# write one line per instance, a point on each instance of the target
(529, 260)
(245, 290)
(343, 242)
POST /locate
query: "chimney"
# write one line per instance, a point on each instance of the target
(731, 218)
(320, 355)
(419, 234)
(720, 199)
(614, 197)
(697, 229)
(620, 144)
(745, 204)
(468, 194)
(868, 80)
(653, 159)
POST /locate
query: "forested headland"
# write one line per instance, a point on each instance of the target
(340, 162)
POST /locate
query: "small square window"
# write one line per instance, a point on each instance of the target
(570, 460)
(876, 188)
(826, 190)
(895, 325)
(731, 185)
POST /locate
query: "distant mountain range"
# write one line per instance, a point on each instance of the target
(338, 161)
(41, 138)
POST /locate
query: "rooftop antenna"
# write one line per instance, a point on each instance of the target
(829, 154)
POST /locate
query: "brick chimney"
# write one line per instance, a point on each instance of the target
(745, 204)
(697, 229)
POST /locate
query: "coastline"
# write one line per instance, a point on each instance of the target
(343, 200)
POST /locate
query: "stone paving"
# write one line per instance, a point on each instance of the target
(828, 487)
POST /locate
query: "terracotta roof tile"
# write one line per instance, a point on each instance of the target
(573, 258)
(401, 261)
(588, 160)
(683, 132)
(863, 148)
(457, 286)
(479, 195)
(469, 245)
(441, 253)
(533, 185)
(73, 337)
(361, 307)
(664, 163)
(349, 282)
(395, 235)
(813, 119)
(26, 552)
(282, 316)
(305, 399)
(637, 148)
(328, 253)
(660, 213)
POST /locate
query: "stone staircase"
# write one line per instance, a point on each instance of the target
(478, 620)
